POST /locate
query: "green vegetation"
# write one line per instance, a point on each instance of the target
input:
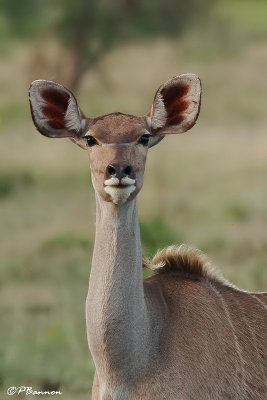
(90, 30)
(11, 182)
(156, 234)
(207, 188)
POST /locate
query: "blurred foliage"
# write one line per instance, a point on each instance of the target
(11, 181)
(156, 234)
(248, 17)
(23, 18)
(66, 241)
(108, 22)
(91, 28)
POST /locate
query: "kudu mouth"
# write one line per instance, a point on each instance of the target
(119, 189)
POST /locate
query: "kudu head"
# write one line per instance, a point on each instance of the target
(117, 143)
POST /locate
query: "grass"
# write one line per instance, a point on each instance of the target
(207, 188)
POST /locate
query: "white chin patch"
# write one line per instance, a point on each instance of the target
(119, 195)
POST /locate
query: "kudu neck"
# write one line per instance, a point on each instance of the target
(117, 324)
(117, 217)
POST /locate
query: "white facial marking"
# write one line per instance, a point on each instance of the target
(119, 195)
(127, 181)
(112, 182)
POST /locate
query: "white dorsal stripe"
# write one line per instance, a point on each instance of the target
(241, 364)
(259, 301)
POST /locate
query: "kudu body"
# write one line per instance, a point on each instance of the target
(184, 333)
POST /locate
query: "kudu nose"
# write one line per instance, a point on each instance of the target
(118, 171)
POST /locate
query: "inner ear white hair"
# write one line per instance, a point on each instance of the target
(176, 105)
(55, 111)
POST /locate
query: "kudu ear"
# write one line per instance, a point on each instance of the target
(176, 105)
(55, 112)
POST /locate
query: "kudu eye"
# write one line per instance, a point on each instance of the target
(144, 139)
(91, 141)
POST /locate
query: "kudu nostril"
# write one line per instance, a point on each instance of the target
(111, 170)
(118, 171)
(127, 170)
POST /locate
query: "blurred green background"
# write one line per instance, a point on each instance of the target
(207, 187)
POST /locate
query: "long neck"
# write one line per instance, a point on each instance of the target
(117, 321)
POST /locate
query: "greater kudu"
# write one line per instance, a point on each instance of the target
(183, 333)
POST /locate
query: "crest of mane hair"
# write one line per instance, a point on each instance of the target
(185, 262)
